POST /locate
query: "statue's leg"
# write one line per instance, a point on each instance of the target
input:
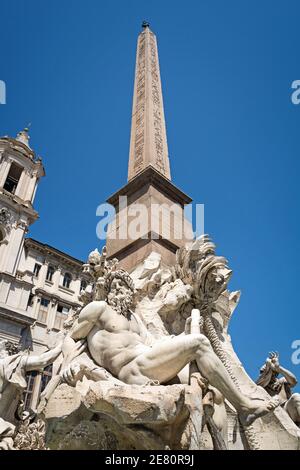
(164, 360)
(215, 372)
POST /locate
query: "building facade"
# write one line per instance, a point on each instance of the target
(39, 285)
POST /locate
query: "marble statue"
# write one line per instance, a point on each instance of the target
(119, 342)
(147, 340)
(280, 387)
(148, 363)
(13, 368)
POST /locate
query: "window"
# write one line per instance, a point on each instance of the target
(44, 302)
(32, 379)
(62, 309)
(83, 285)
(30, 300)
(61, 316)
(27, 395)
(67, 280)
(50, 273)
(36, 269)
(46, 376)
(43, 311)
(13, 178)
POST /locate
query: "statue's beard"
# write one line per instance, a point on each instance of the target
(120, 302)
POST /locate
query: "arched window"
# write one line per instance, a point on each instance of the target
(50, 273)
(67, 280)
(83, 285)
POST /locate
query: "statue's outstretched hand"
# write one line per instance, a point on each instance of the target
(72, 373)
(72, 349)
(273, 361)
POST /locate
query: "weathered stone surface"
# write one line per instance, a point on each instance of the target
(97, 415)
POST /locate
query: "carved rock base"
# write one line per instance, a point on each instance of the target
(99, 415)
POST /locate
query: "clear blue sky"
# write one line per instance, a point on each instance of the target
(233, 133)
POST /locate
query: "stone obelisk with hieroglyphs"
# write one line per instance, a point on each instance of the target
(164, 228)
(148, 142)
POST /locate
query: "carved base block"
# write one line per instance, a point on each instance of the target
(99, 415)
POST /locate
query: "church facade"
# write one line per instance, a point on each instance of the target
(39, 284)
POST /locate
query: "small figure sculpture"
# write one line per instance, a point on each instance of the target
(12, 383)
(119, 342)
(280, 388)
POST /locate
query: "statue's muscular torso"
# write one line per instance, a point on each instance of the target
(114, 341)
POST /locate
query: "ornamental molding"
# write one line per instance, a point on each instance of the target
(6, 219)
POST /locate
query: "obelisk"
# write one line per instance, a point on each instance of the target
(163, 228)
(148, 142)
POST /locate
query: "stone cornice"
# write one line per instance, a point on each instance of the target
(19, 150)
(45, 249)
(151, 177)
(14, 203)
(136, 244)
(13, 315)
(55, 297)
(18, 146)
(17, 279)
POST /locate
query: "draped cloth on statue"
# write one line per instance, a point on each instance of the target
(6, 429)
(12, 384)
(12, 370)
